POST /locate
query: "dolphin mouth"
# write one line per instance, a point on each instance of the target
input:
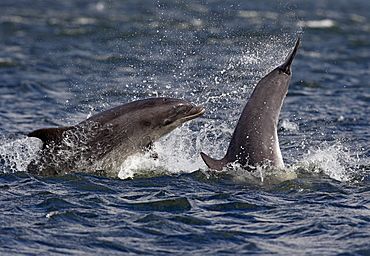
(194, 112)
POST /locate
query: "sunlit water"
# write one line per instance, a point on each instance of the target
(63, 62)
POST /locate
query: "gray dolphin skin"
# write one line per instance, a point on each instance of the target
(105, 140)
(255, 141)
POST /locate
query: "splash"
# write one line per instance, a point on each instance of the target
(335, 161)
(288, 125)
(177, 152)
(262, 175)
(15, 155)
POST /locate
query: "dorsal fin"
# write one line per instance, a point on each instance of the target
(214, 164)
(49, 135)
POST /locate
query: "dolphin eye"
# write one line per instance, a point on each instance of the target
(167, 122)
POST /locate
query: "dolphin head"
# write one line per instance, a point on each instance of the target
(176, 112)
(163, 115)
(150, 119)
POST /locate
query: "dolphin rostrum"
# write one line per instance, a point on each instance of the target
(105, 140)
(255, 141)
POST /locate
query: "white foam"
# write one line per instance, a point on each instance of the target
(289, 125)
(336, 161)
(178, 152)
(260, 175)
(17, 154)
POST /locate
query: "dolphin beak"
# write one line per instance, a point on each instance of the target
(286, 66)
(194, 112)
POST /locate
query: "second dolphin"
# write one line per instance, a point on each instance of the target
(255, 141)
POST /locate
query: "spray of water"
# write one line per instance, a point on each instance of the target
(335, 161)
(15, 155)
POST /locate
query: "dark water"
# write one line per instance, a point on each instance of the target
(62, 61)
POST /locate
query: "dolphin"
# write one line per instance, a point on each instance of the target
(105, 140)
(255, 141)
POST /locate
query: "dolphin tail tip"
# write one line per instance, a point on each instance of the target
(213, 163)
(288, 62)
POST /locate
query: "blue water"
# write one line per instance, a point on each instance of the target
(62, 61)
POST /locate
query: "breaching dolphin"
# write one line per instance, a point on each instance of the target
(255, 141)
(105, 140)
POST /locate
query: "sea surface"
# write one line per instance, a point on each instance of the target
(63, 61)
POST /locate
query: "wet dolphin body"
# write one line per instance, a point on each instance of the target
(255, 141)
(105, 140)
